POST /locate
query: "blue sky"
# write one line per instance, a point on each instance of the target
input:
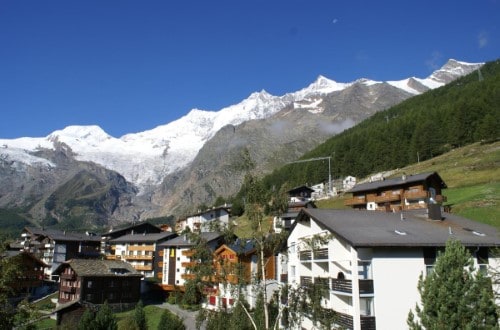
(129, 66)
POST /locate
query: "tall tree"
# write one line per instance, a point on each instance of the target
(104, 319)
(454, 295)
(140, 317)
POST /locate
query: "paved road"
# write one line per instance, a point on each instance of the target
(188, 317)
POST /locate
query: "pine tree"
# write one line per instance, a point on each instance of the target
(140, 317)
(454, 295)
(86, 321)
(169, 321)
(104, 319)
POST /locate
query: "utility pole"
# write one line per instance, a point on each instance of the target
(329, 169)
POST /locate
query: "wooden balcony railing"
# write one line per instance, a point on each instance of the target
(321, 254)
(342, 285)
(69, 289)
(188, 276)
(388, 198)
(138, 257)
(143, 267)
(416, 194)
(188, 253)
(305, 280)
(68, 276)
(346, 321)
(188, 264)
(305, 255)
(355, 201)
(141, 248)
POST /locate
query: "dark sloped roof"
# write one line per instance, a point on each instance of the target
(243, 246)
(93, 267)
(60, 235)
(375, 228)
(399, 181)
(140, 227)
(183, 240)
(144, 238)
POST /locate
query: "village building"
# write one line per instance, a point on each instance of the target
(138, 228)
(54, 246)
(141, 251)
(85, 283)
(205, 221)
(402, 193)
(371, 261)
(30, 282)
(178, 257)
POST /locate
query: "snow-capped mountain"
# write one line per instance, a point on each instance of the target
(145, 158)
(82, 176)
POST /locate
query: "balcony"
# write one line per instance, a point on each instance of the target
(68, 276)
(68, 289)
(141, 248)
(305, 255)
(188, 276)
(188, 253)
(188, 264)
(359, 200)
(138, 257)
(321, 254)
(345, 286)
(416, 194)
(306, 281)
(143, 267)
(390, 197)
(346, 321)
(284, 278)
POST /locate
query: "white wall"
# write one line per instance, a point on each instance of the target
(395, 280)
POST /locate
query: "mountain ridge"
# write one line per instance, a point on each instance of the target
(168, 164)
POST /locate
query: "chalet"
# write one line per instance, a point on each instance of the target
(31, 273)
(140, 228)
(301, 193)
(140, 250)
(285, 220)
(205, 221)
(85, 283)
(402, 193)
(236, 267)
(54, 246)
(372, 261)
(178, 257)
(348, 183)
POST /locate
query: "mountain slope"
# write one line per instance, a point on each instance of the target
(190, 161)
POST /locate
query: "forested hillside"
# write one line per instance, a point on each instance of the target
(462, 112)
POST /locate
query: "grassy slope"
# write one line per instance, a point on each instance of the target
(472, 174)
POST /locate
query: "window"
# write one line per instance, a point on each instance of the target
(292, 272)
(90, 297)
(366, 306)
(89, 284)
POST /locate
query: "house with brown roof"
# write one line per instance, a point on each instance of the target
(54, 246)
(136, 228)
(371, 261)
(406, 192)
(85, 283)
(141, 251)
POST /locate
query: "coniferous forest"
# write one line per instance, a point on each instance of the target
(462, 112)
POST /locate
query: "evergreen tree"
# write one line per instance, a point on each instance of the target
(169, 321)
(87, 320)
(104, 318)
(140, 317)
(454, 295)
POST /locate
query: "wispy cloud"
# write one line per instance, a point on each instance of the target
(433, 63)
(482, 39)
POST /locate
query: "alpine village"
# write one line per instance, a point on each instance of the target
(390, 224)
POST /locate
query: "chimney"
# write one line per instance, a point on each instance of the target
(434, 211)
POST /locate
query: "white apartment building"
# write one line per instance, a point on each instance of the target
(373, 260)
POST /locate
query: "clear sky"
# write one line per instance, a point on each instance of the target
(130, 65)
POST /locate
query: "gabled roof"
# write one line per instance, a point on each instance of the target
(143, 227)
(144, 238)
(12, 254)
(239, 247)
(183, 240)
(362, 228)
(93, 267)
(300, 188)
(61, 235)
(399, 181)
(219, 208)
